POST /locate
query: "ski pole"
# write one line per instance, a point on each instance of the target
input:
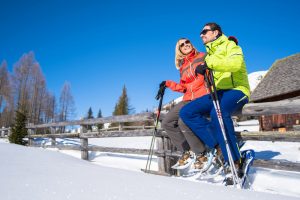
(151, 149)
(213, 92)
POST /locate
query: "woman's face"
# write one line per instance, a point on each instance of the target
(185, 46)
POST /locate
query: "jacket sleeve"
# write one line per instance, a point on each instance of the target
(229, 59)
(177, 87)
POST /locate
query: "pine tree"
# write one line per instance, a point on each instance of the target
(90, 113)
(90, 116)
(100, 126)
(122, 107)
(19, 130)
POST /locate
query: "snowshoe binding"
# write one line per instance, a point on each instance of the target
(242, 169)
(185, 161)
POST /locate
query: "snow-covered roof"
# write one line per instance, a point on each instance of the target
(281, 82)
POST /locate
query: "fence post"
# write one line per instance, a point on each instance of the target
(30, 140)
(84, 146)
(2, 132)
(169, 161)
(53, 140)
(120, 126)
(161, 156)
(9, 132)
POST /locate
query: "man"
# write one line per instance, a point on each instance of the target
(226, 60)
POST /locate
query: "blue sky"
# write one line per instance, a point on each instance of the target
(98, 46)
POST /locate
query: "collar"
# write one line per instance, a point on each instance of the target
(190, 56)
(212, 45)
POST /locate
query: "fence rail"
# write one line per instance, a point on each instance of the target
(164, 153)
(287, 106)
(289, 136)
(113, 119)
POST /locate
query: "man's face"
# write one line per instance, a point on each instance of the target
(207, 35)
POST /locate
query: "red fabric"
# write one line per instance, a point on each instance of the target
(192, 85)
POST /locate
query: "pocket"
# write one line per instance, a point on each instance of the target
(242, 100)
(224, 81)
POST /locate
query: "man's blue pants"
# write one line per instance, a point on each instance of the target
(195, 114)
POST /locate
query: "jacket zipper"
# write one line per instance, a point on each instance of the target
(191, 68)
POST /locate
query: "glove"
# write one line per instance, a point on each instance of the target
(162, 84)
(161, 90)
(200, 69)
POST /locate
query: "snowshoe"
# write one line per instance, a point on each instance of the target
(185, 161)
(246, 161)
(241, 143)
(203, 163)
(214, 175)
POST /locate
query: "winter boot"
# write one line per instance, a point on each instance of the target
(228, 174)
(247, 161)
(186, 160)
(242, 167)
(204, 160)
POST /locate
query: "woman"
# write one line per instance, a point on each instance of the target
(226, 60)
(192, 86)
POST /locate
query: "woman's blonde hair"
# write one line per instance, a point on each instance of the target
(179, 56)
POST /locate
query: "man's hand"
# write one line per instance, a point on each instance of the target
(200, 69)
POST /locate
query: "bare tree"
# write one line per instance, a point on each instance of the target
(50, 108)
(30, 88)
(25, 91)
(6, 101)
(66, 103)
(21, 79)
(38, 94)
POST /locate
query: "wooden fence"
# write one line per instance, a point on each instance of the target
(4, 132)
(164, 151)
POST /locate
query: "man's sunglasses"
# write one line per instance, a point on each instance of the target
(184, 43)
(203, 32)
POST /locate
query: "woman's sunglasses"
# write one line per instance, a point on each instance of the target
(184, 43)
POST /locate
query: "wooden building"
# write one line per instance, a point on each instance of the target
(280, 83)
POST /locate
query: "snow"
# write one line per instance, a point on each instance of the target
(37, 173)
(250, 125)
(255, 78)
(289, 151)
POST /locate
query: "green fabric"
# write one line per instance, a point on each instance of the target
(226, 59)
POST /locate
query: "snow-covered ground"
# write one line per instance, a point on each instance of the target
(36, 173)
